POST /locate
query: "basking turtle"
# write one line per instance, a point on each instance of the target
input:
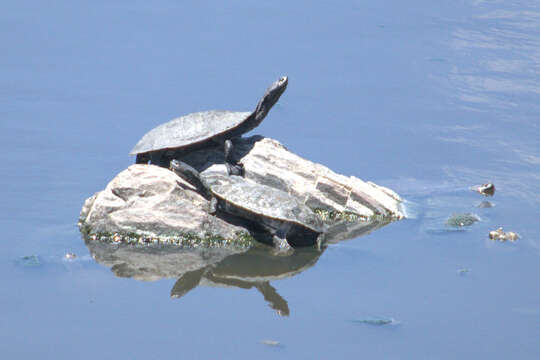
(202, 129)
(289, 221)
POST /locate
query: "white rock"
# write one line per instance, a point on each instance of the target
(151, 201)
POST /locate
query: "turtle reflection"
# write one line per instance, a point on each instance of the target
(255, 268)
(244, 268)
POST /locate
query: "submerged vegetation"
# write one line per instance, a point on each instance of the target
(460, 220)
(377, 321)
(29, 261)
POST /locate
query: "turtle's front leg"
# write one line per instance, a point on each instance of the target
(143, 158)
(233, 167)
(213, 206)
(192, 176)
(160, 158)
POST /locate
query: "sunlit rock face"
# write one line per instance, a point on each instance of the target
(152, 204)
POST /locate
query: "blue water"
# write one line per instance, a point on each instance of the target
(428, 98)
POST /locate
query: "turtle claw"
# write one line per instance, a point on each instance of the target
(235, 169)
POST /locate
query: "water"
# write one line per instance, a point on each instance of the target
(428, 98)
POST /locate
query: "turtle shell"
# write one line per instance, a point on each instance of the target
(189, 130)
(263, 201)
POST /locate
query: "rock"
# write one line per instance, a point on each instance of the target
(147, 203)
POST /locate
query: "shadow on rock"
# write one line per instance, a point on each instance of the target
(205, 158)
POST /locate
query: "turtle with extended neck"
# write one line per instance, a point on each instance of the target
(203, 129)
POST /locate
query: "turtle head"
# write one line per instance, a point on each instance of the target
(270, 97)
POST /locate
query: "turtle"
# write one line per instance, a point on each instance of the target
(203, 129)
(289, 221)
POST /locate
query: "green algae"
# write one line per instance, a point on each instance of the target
(187, 239)
(334, 216)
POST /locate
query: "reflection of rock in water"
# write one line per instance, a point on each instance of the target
(217, 267)
(485, 204)
(349, 230)
(152, 262)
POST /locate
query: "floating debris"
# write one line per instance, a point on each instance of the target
(461, 220)
(463, 271)
(70, 256)
(500, 235)
(377, 321)
(274, 343)
(485, 189)
(29, 261)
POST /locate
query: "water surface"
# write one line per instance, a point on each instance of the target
(427, 98)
